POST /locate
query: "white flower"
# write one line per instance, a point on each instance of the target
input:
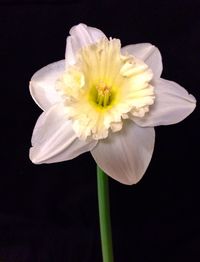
(104, 99)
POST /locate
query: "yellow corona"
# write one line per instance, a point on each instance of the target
(103, 88)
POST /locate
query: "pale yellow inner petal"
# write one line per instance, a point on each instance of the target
(103, 88)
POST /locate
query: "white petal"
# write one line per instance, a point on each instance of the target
(42, 84)
(81, 35)
(149, 54)
(172, 105)
(54, 140)
(125, 155)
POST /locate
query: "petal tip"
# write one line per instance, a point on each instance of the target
(34, 159)
(192, 104)
(79, 26)
(128, 180)
(32, 84)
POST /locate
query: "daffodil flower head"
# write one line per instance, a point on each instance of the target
(105, 99)
(103, 88)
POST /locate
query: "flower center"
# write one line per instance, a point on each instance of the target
(105, 87)
(103, 94)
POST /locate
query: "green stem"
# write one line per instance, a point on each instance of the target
(104, 216)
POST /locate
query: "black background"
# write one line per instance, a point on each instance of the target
(49, 212)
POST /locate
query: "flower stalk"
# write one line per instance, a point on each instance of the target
(104, 216)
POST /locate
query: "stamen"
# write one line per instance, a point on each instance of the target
(103, 94)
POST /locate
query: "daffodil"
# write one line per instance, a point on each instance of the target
(105, 99)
